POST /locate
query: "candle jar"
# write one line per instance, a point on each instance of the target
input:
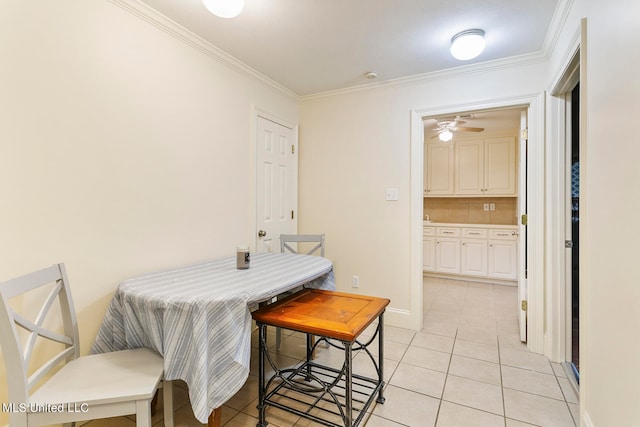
(242, 257)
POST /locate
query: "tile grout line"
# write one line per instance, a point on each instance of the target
(446, 377)
(504, 406)
(564, 395)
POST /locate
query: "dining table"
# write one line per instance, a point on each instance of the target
(198, 317)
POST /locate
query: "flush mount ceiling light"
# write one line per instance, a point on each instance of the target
(467, 44)
(224, 8)
(445, 135)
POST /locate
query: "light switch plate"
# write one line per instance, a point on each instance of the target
(392, 194)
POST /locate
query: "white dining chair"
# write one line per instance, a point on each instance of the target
(307, 244)
(66, 387)
(294, 243)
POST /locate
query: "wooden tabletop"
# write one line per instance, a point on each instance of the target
(330, 314)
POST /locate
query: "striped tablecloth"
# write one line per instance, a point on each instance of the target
(198, 317)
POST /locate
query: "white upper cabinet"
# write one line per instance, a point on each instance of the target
(482, 167)
(500, 166)
(469, 167)
(438, 169)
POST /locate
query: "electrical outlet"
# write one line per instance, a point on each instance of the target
(486, 206)
(355, 282)
(492, 207)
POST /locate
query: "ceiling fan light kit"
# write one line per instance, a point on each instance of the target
(445, 135)
(445, 128)
(467, 44)
(224, 8)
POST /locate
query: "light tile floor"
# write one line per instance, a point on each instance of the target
(465, 368)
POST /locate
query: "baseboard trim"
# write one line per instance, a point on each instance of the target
(398, 317)
(470, 278)
(585, 420)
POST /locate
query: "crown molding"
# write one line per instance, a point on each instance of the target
(558, 22)
(481, 67)
(163, 23)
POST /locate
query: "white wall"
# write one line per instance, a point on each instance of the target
(122, 149)
(354, 145)
(610, 149)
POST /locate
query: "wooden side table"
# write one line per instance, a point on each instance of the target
(313, 390)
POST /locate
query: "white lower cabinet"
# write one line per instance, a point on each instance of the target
(428, 253)
(503, 257)
(448, 255)
(429, 248)
(473, 257)
(471, 251)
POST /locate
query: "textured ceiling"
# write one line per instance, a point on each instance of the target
(315, 46)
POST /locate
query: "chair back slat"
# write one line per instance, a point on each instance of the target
(46, 367)
(16, 353)
(286, 239)
(23, 284)
(36, 328)
(38, 331)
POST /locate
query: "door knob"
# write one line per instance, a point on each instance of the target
(262, 233)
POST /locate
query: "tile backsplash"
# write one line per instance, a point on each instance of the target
(470, 210)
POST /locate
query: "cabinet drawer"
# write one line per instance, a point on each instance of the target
(448, 231)
(429, 231)
(503, 234)
(475, 233)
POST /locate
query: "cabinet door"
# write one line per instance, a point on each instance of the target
(500, 166)
(503, 259)
(429, 253)
(473, 257)
(438, 169)
(448, 255)
(469, 167)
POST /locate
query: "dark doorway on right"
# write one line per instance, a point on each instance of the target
(575, 231)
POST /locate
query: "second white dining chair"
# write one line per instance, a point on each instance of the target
(306, 244)
(293, 243)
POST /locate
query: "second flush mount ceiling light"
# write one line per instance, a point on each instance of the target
(224, 8)
(467, 44)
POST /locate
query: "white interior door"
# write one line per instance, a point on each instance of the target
(522, 227)
(276, 183)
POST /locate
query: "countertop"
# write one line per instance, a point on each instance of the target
(452, 224)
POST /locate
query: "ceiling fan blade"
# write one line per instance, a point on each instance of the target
(468, 129)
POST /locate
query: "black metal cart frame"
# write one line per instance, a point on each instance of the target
(318, 392)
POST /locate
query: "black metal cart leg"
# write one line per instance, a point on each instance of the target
(348, 353)
(309, 355)
(380, 398)
(262, 340)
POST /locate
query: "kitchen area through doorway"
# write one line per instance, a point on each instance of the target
(471, 205)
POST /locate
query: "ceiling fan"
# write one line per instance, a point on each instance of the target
(446, 127)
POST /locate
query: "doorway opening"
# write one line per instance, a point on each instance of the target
(477, 176)
(535, 208)
(575, 231)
